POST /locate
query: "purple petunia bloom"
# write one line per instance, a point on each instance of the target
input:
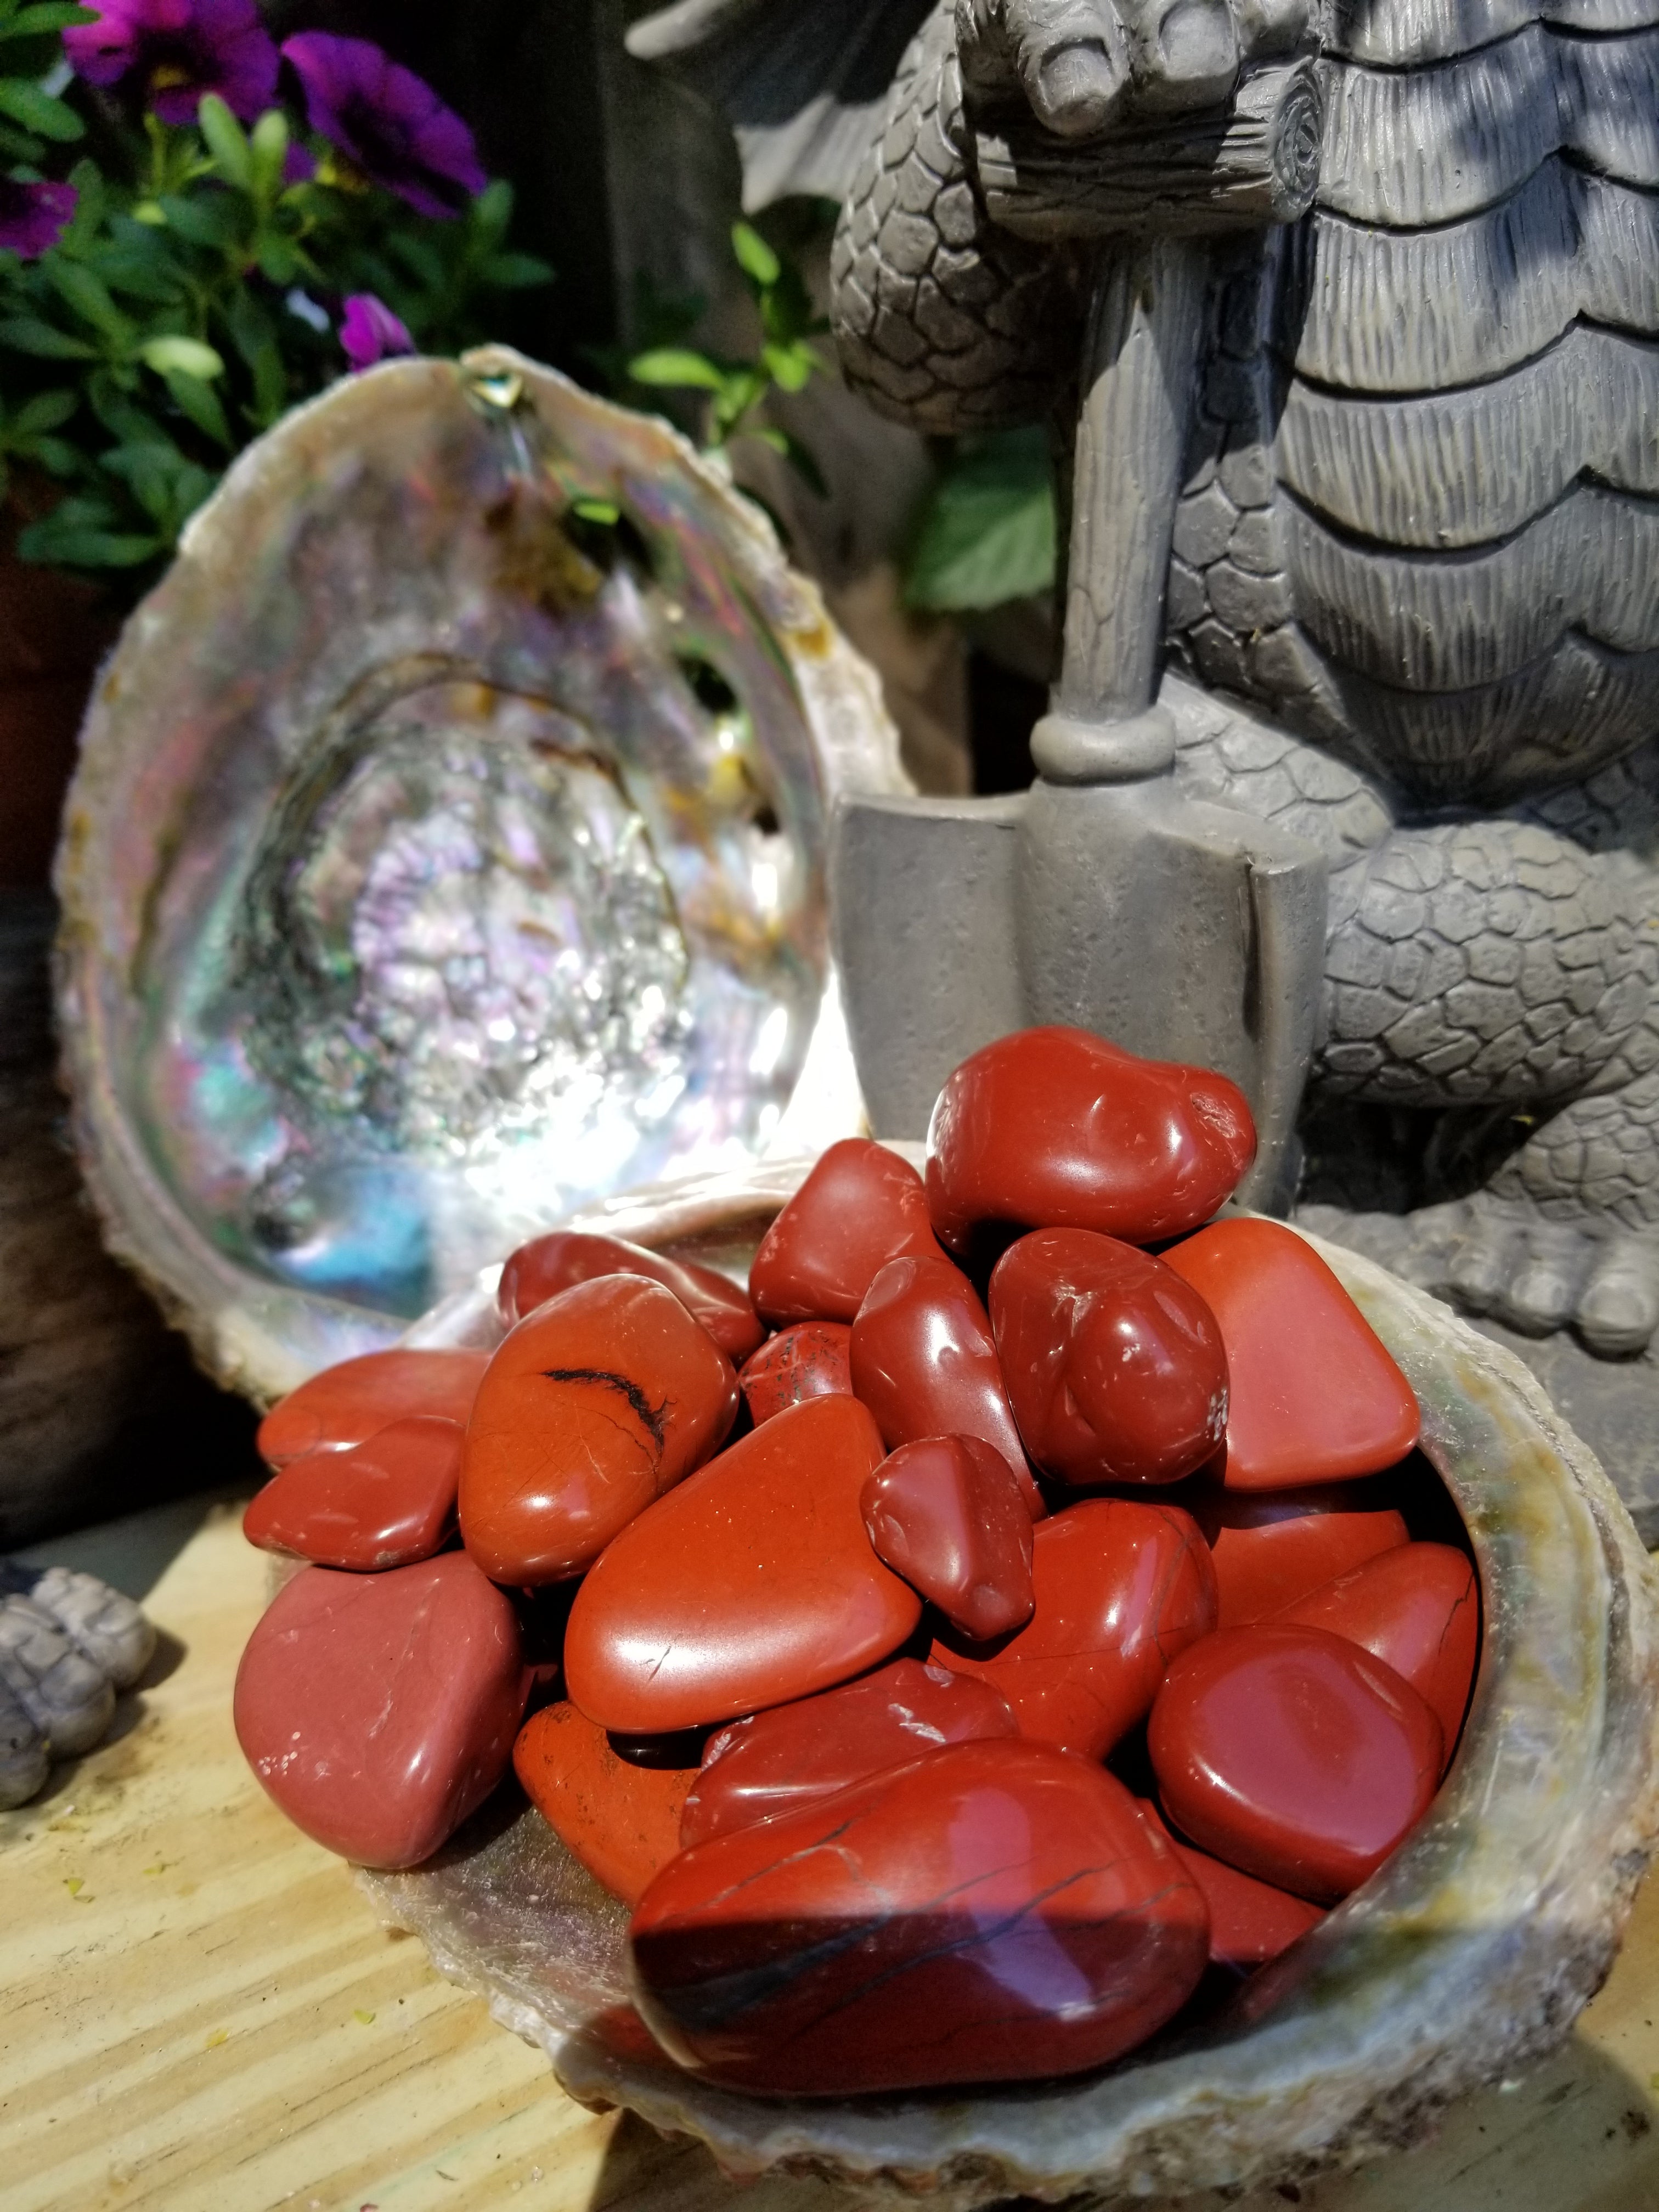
(178, 50)
(387, 120)
(369, 332)
(34, 216)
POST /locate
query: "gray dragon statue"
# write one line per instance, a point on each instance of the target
(1407, 574)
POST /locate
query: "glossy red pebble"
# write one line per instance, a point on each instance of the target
(1418, 1609)
(1250, 1921)
(378, 1710)
(621, 1820)
(924, 1363)
(350, 1402)
(995, 1912)
(780, 1761)
(859, 1207)
(1293, 1756)
(1315, 1395)
(1272, 1548)
(384, 1503)
(1121, 1588)
(593, 1406)
(946, 1513)
(811, 1360)
(1112, 1364)
(1055, 1128)
(540, 1270)
(752, 1584)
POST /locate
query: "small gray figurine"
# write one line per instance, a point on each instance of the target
(68, 1642)
(1379, 479)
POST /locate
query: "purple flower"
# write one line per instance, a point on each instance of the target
(387, 120)
(34, 216)
(369, 331)
(179, 49)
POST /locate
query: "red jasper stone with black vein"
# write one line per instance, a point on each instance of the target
(995, 1912)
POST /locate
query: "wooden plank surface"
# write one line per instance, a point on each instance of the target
(199, 2013)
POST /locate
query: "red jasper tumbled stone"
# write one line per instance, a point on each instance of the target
(811, 1360)
(780, 1761)
(1250, 1921)
(1315, 1395)
(1121, 1589)
(924, 1363)
(860, 1206)
(1418, 1609)
(1055, 1128)
(620, 1819)
(347, 1403)
(1112, 1364)
(540, 1270)
(1293, 1756)
(945, 1513)
(752, 1584)
(378, 1710)
(1271, 1548)
(994, 1912)
(384, 1503)
(595, 1404)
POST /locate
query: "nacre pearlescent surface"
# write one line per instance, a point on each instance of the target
(1468, 1954)
(446, 853)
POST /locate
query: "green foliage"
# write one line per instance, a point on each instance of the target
(192, 299)
(988, 533)
(737, 389)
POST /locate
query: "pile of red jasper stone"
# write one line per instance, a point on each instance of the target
(974, 1638)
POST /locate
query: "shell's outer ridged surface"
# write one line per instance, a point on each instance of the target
(447, 851)
(1467, 1954)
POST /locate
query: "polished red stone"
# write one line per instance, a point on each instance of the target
(1316, 1395)
(540, 1270)
(994, 1912)
(384, 1503)
(1055, 1128)
(620, 1819)
(946, 1513)
(811, 1360)
(1293, 1756)
(1121, 1589)
(860, 1206)
(350, 1403)
(378, 1710)
(1418, 1609)
(1250, 1921)
(924, 1364)
(1112, 1365)
(1273, 1548)
(752, 1584)
(780, 1761)
(593, 1406)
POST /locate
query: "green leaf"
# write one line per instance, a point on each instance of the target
(55, 454)
(38, 112)
(90, 297)
(789, 366)
(988, 534)
(47, 411)
(755, 257)
(677, 365)
(187, 356)
(48, 16)
(227, 140)
(269, 148)
(604, 511)
(254, 337)
(27, 334)
(18, 146)
(78, 534)
(492, 211)
(200, 403)
(206, 217)
(280, 261)
(515, 272)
